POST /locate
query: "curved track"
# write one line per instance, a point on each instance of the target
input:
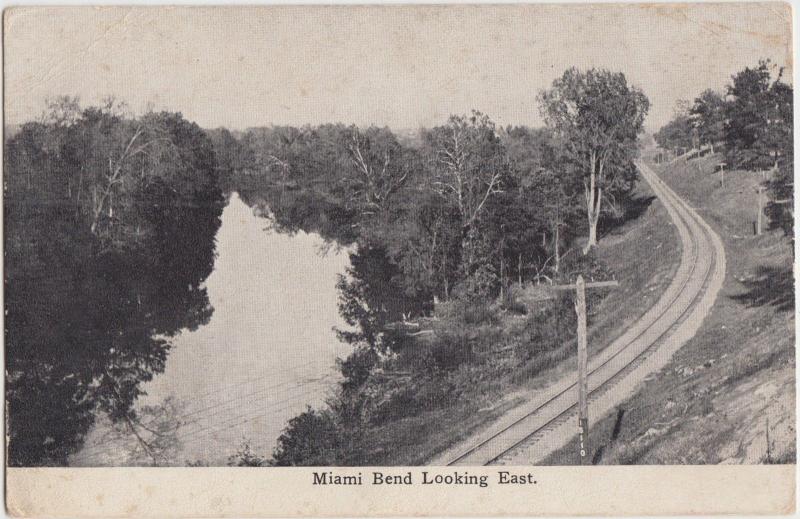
(530, 432)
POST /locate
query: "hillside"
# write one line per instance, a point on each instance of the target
(728, 395)
(495, 378)
(644, 253)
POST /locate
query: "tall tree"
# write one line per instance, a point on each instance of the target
(599, 116)
(708, 117)
(759, 118)
(470, 165)
(93, 297)
(548, 189)
(426, 241)
(379, 168)
(676, 134)
(372, 295)
(779, 138)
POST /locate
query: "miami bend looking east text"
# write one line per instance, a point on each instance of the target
(502, 477)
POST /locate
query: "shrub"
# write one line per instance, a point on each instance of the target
(479, 313)
(357, 367)
(245, 457)
(449, 350)
(399, 404)
(312, 438)
(463, 311)
(515, 307)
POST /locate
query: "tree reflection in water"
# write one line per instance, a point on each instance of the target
(110, 224)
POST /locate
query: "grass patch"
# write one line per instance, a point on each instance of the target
(645, 252)
(499, 378)
(477, 361)
(727, 396)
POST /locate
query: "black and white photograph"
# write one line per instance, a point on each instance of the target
(399, 236)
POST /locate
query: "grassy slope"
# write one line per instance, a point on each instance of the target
(732, 386)
(650, 252)
(643, 255)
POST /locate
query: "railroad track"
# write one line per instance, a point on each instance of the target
(530, 432)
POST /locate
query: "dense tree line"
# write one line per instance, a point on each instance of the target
(458, 215)
(472, 206)
(109, 232)
(753, 122)
(110, 224)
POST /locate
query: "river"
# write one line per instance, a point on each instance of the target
(268, 351)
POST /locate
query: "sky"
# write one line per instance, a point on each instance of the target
(402, 67)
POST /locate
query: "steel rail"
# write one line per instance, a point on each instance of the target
(695, 232)
(615, 377)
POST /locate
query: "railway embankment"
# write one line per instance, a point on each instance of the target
(471, 367)
(727, 396)
(546, 421)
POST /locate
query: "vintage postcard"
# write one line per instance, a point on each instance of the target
(399, 260)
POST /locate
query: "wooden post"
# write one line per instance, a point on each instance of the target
(502, 280)
(557, 264)
(580, 287)
(760, 204)
(583, 388)
(791, 212)
(721, 167)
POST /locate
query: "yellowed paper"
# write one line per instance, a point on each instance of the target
(495, 260)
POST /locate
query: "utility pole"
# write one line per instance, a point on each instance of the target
(760, 202)
(788, 201)
(760, 207)
(557, 224)
(556, 252)
(583, 356)
(722, 173)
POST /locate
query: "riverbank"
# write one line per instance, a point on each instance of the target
(253, 366)
(512, 350)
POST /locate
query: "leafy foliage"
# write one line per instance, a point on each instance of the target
(676, 134)
(708, 117)
(598, 117)
(313, 438)
(245, 457)
(759, 124)
(110, 222)
(755, 122)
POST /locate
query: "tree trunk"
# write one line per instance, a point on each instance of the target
(759, 211)
(594, 198)
(467, 255)
(592, 241)
(519, 269)
(78, 197)
(557, 254)
(444, 276)
(95, 211)
(502, 280)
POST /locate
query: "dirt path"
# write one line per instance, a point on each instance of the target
(531, 431)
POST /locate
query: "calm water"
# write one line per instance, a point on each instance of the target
(268, 351)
